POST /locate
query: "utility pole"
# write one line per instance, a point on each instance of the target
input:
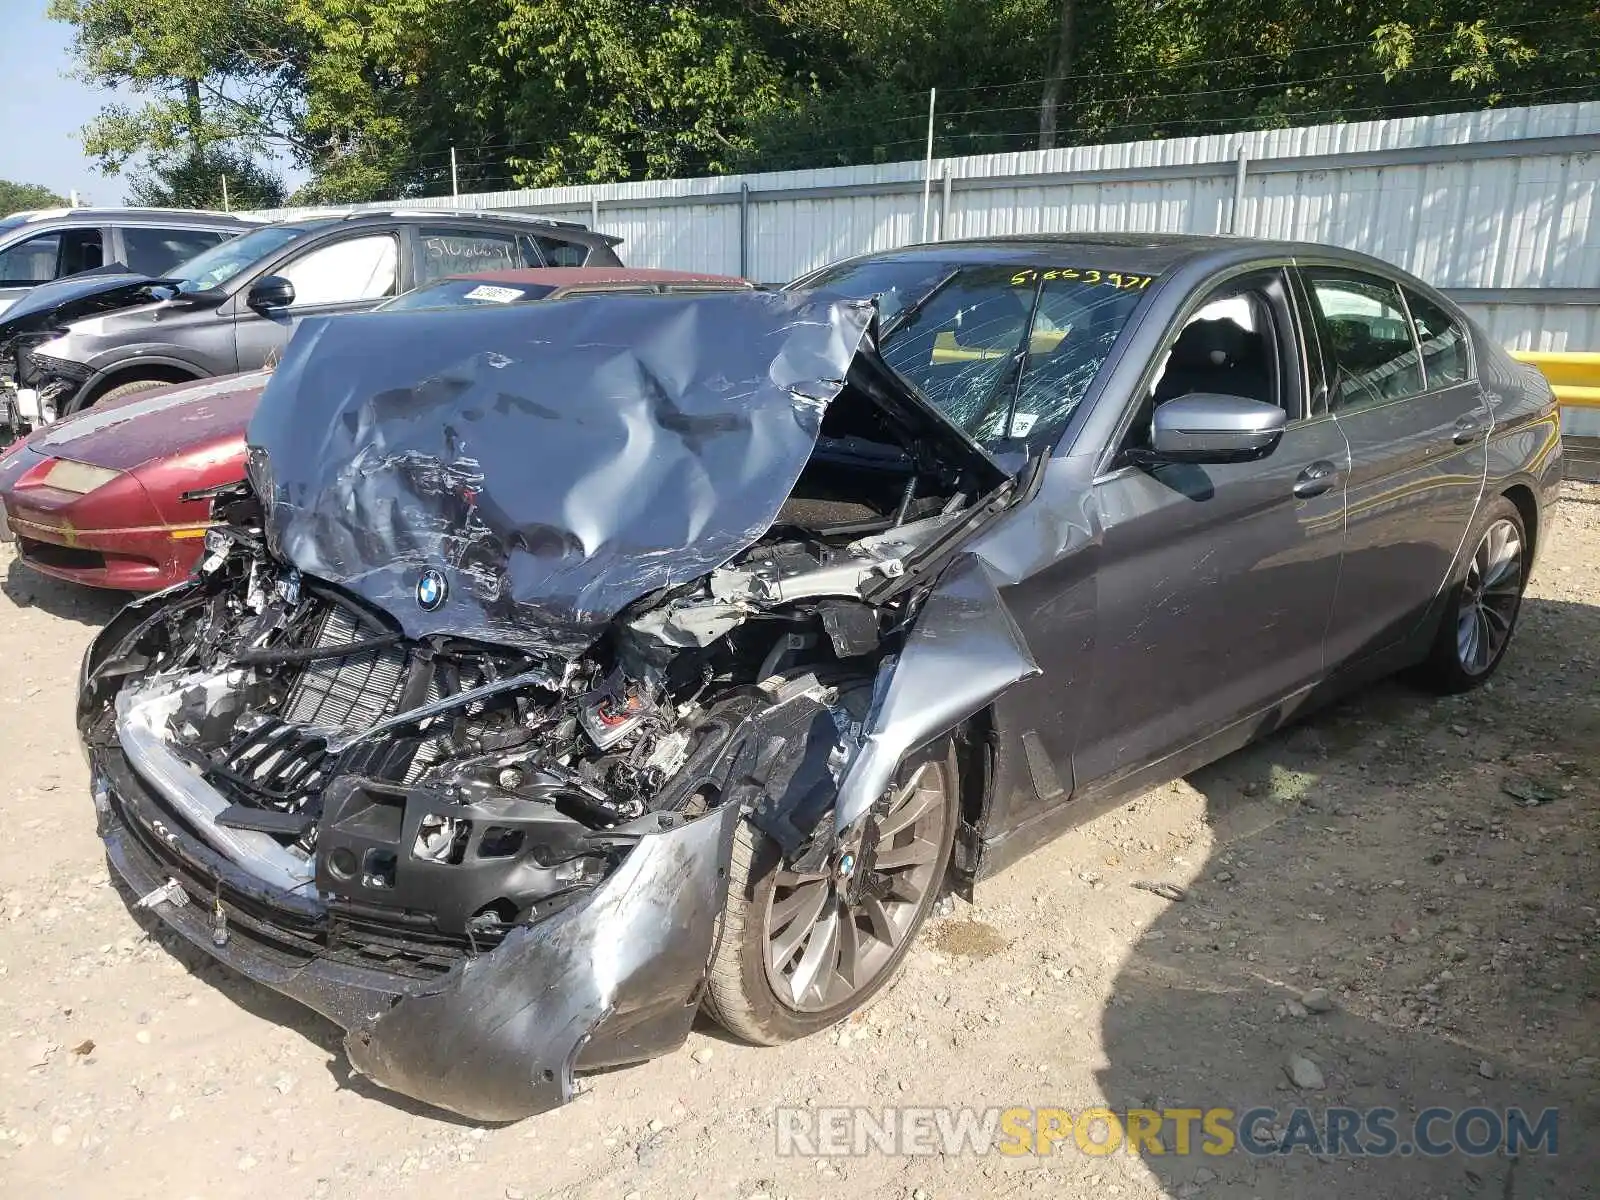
(927, 165)
(455, 181)
(225, 207)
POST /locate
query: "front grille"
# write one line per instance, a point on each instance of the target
(271, 764)
(345, 693)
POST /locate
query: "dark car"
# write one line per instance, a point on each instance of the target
(234, 307)
(98, 498)
(40, 246)
(561, 672)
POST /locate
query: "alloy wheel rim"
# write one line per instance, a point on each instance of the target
(1489, 598)
(830, 935)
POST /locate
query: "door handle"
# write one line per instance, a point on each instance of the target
(1316, 479)
(1468, 429)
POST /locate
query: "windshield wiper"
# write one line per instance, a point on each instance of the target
(916, 306)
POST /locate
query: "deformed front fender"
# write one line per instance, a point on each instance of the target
(962, 652)
(612, 980)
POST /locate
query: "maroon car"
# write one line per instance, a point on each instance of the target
(97, 498)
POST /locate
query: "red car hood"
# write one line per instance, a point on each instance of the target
(126, 434)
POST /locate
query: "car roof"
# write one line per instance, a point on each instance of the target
(568, 230)
(1150, 253)
(561, 277)
(130, 216)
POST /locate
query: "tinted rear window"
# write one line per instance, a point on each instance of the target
(152, 251)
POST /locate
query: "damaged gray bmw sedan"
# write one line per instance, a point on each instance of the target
(562, 670)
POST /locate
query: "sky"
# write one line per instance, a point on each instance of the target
(42, 109)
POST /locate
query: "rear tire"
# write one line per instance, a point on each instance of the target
(1481, 612)
(740, 992)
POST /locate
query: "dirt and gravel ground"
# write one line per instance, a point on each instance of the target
(1431, 864)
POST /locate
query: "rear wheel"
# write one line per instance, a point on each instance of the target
(1482, 611)
(798, 952)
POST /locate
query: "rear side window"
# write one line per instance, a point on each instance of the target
(157, 251)
(1443, 342)
(448, 251)
(1374, 356)
(562, 254)
(360, 268)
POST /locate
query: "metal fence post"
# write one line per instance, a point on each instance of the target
(927, 163)
(744, 230)
(1240, 169)
(944, 206)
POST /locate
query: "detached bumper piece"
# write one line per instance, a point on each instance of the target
(494, 1035)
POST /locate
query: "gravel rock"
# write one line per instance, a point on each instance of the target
(1318, 1000)
(1304, 1073)
(1486, 1069)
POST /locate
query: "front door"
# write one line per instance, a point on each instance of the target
(352, 274)
(1215, 583)
(1403, 392)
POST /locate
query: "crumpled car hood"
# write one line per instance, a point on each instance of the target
(64, 300)
(519, 476)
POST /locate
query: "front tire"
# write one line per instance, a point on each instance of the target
(1482, 610)
(126, 389)
(797, 953)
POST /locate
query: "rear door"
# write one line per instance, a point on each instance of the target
(1417, 423)
(348, 274)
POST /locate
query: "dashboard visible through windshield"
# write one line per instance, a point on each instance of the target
(1005, 352)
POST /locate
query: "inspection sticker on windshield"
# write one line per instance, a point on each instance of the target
(1123, 280)
(488, 291)
(1022, 424)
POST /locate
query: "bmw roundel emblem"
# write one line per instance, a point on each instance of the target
(431, 590)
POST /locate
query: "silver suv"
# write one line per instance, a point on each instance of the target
(37, 247)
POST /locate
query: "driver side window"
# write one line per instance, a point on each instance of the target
(1232, 345)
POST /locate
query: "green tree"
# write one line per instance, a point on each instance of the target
(19, 197)
(208, 72)
(218, 178)
(372, 95)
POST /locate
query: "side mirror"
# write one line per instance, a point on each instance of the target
(270, 291)
(1204, 427)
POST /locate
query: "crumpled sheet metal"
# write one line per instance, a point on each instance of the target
(553, 461)
(613, 979)
(962, 652)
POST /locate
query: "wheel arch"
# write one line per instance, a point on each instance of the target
(1527, 504)
(163, 370)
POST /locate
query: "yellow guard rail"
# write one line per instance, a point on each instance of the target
(1575, 378)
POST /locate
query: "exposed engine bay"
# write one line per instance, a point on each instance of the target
(303, 736)
(480, 668)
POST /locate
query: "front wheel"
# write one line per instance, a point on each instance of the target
(798, 952)
(1482, 611)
